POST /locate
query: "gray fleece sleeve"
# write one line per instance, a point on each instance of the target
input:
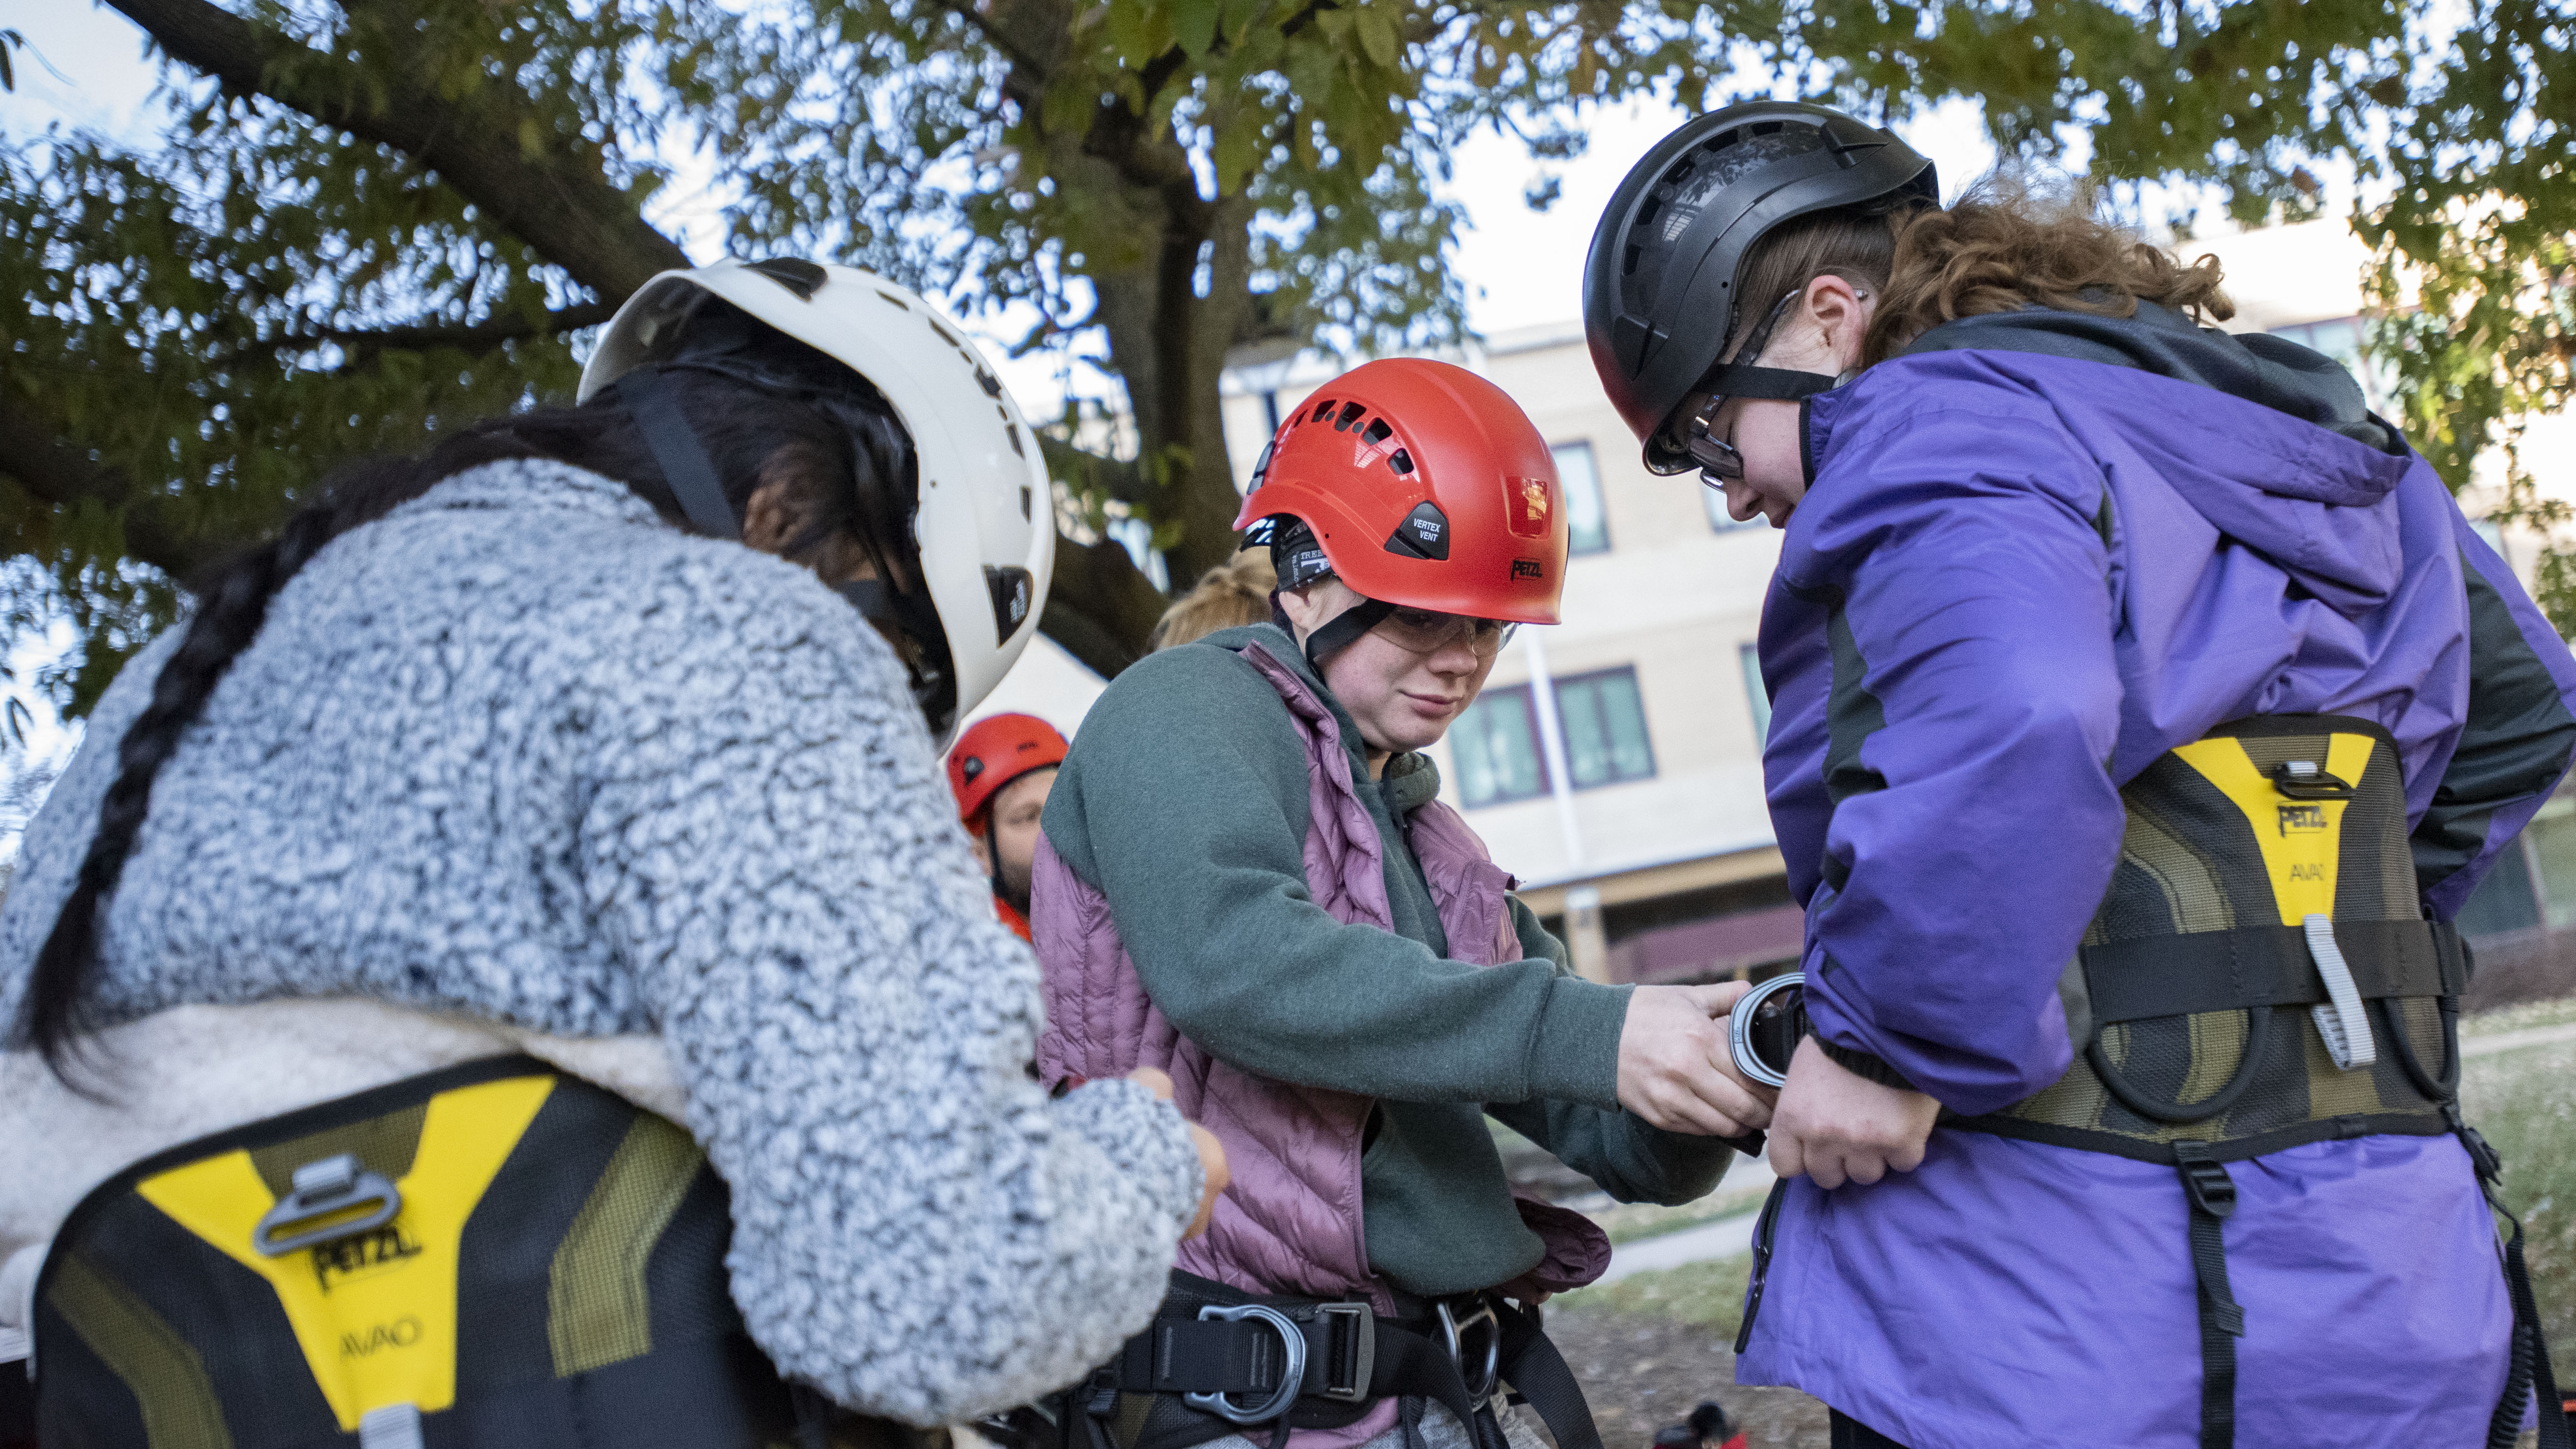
(919, 1231)
(1624, 1156)
(1184, 802)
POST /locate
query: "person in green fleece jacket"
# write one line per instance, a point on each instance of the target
(1247, 878)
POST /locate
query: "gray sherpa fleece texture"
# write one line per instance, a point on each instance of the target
(521, 751)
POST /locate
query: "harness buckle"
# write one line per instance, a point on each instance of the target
(1349, 1369)
(2205, 1180)
(1292, 1377)
(319, 1204)
(2307, 780)
(1453, 1340)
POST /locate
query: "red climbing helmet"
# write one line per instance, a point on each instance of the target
(992, 753)
(1427, 488)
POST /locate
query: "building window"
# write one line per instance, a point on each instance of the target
(1756, 693)
(1494, 746)
(1587, 524)
(1605, 728)
(1714, 500)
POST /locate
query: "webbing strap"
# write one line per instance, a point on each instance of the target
(2213, 1201)
(1540, 1375)
(1343, 630)
(2252, 966)
(676, 447)
(1180, 1353)
(2528, 1368)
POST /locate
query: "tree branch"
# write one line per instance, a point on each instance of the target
(1100, 608)
(66, 476)
(473, 337)
(551, 197)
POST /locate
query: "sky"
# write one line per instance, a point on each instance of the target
(85, 66)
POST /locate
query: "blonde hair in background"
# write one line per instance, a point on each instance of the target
(1233, 594)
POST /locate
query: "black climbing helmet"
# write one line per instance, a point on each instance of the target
(1659, 287)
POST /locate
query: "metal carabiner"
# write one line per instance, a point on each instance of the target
(1453, 1332)
(1292, 1380)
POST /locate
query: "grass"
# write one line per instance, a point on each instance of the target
(2520, 1018)
(2525, 1103)
(2523, 1100)
(1741, 1192)
(1710, 1294)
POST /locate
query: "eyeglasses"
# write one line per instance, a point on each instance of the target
(1428, 631)
(1719, 462)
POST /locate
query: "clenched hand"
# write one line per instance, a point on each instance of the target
(1674, 1067)
(1837, 1126)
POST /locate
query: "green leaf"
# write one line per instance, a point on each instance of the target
(1377, 36)
(1194, 25)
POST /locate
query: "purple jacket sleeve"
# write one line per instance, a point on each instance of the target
(2516, 733)
(1955, 554)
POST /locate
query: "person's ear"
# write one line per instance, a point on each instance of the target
(768, 521)
(1841, 313)
(1304, 611)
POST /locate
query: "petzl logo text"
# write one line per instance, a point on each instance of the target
(2299, 818)
(362, 1255)
(1528, 568)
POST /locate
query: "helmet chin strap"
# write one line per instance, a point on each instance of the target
(1343, 630)
(676, 447)
(993, 854)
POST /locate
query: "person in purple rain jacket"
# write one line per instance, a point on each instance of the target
(2143, 711)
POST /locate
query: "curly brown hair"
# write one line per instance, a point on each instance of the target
(2002, 247)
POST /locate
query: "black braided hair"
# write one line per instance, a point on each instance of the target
(838, 487)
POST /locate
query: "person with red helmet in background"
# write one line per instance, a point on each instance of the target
(1000, 771)
(1245, 879)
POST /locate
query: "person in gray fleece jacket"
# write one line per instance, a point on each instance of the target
(521, 765)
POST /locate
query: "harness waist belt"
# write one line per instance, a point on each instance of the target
(2152, 976)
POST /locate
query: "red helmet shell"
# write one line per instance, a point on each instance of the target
(992, 753)
(1427, 486)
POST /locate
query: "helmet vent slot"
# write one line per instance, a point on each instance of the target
(1323, 410)
(1402, 462)
(1351, 413)
(1376, 432)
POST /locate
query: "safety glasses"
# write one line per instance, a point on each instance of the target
(1719, 463)
(1427, 631)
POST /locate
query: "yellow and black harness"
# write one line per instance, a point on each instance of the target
(486, 1257)
(2259, 975)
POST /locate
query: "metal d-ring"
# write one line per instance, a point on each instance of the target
(1453, 1334)
(334, 1198)
(1292, 1380)
(1739, 1030)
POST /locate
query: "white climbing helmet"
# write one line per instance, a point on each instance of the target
(985, 519)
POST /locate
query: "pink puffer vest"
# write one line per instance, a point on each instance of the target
(1290, 1223)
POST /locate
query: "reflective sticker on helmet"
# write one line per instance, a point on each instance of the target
(1527, 508)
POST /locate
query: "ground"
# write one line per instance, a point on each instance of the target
(1650, 1347)
(1643, 1371)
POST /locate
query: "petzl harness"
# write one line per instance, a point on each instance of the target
(486, 1257)
(1219, 1361)
(2260, 975)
